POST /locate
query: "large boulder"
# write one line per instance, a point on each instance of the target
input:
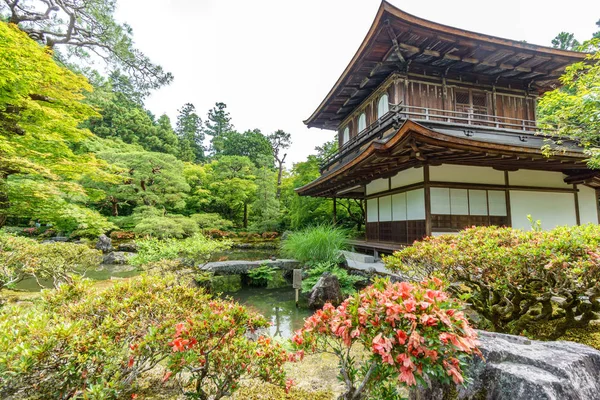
(104, 244)
(117, 257)
(516, 368)
(130, 247)
(326, 290)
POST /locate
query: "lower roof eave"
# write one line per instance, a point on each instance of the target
(415, 145)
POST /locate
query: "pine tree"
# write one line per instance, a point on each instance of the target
(218, 124)
(191, 135)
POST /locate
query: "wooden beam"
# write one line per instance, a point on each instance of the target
(394, 39)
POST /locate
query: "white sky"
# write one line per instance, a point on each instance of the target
(273, 61)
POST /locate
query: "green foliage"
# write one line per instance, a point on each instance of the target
(194, 250)
(40, 113)
(55, 262)
(252, 144)
(231, 187)
(122, 116)
(411, 332)
(89, 32)
(211, 221)
(262, 275)
(218, 123)
(154, 224)
(516, 280)
(266, 213)
(347, 281)
(317, 244)
(565, 41)
(101, 344)
(191, 135)
(304, 211)
(147, 179)
(574, 109)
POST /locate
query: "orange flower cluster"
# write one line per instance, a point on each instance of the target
(411, 329)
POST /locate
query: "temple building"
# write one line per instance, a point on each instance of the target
(437, 131)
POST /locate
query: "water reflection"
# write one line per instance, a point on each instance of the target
(278, 306)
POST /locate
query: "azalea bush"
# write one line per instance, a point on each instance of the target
(78, 342)
(516, 280)
(317, 244)
(411, 332)
(210, 353)
(22, 257)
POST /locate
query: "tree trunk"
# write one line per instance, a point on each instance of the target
(115, 208)
(278, 194)
(245, 215)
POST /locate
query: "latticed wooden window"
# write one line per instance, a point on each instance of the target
(479, 103)
(463, 103)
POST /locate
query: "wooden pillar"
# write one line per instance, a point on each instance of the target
(576, 198)
(427, 200)
(334, 211)
(507, 194)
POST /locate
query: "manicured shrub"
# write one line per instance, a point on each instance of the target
(55, 262)
(347, 281)
(194, 250)
(514, 279)
(167, 226)
(317, 244)
(211, 221)
(411, 331)
(78, 342)
(122, 235)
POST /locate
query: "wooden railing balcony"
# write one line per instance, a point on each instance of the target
(462, 120)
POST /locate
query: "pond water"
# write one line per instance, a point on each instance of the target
(277, 305)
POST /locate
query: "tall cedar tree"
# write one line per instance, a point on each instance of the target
(218, 124)
(191, 135)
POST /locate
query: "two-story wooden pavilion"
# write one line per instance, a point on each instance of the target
(437, 131)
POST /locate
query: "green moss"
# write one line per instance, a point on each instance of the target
(589, 335)
(267, 391)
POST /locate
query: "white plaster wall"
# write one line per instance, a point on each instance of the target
(440, 200)
(399, 207)
(466, 174)
(385, 208)
(497, 202)
(524, 177)
(459, 202)
(407, 177)
(415, 204)
(372, 210)
(552, 209)
(478, 202)
(588, 210)
(378, 185)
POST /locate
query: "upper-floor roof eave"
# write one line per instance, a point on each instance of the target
(397, 38)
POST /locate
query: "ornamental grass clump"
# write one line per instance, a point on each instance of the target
(411, 332)
(317, 244)
(517, 281)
